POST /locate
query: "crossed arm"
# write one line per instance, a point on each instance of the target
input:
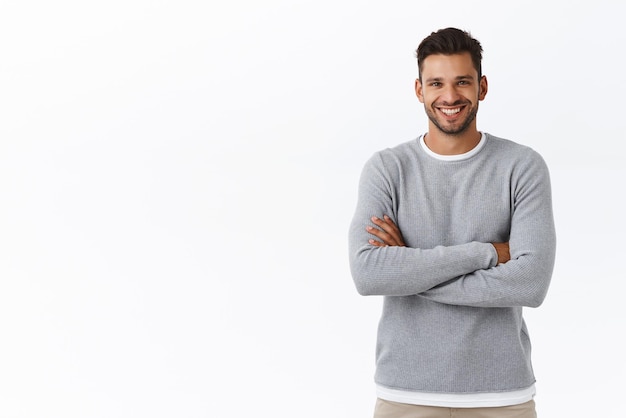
(476, 273)
(523, 282)
(389, 235)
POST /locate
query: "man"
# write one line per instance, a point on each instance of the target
(455, 229)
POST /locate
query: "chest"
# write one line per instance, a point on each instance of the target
(454, 206)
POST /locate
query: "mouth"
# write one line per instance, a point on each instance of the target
(451, 112)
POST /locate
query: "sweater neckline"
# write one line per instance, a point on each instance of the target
(455, 157)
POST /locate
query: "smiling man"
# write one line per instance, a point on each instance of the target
(455, 230)
(450, 91)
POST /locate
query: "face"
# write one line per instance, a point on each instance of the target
(450, 90)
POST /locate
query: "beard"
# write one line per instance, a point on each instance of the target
(457, 127)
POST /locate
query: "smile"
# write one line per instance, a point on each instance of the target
(451, 112)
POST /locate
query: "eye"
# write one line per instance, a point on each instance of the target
(435, 84)
(463, 83)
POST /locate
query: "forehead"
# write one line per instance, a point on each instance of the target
(448, 66)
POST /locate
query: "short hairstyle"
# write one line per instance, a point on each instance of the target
(450, 41)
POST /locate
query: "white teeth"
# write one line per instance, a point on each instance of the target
(451, 111)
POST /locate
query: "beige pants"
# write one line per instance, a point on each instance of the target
(388, 409)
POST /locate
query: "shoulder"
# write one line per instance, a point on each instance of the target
(391, 164)
(524, 164)
(511, 151)
(401, 154)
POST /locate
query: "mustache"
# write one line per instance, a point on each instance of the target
(456, 103)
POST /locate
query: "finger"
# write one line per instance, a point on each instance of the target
(393, 228)
(384, 227)
(391, 223)
(379, 233)
(383, 236)
(396, 231)
(377, 243)
(389, 227)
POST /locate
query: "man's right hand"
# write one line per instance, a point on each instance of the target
(502, 248)
(389, 234)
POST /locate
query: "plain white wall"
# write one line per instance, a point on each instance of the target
(177, 179)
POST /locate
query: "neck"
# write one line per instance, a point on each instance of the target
(445, 144)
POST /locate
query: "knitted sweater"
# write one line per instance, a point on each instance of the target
(452, 319)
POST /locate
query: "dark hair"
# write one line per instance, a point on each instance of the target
(447, 42)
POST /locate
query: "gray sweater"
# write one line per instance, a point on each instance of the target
(452, 319)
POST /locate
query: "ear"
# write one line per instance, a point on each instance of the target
(418, 90)
(483, 88)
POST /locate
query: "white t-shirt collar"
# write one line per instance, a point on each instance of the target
(456, 157)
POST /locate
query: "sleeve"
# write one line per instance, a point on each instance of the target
(402, 271)
(524, 280)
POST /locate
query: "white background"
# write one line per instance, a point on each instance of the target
(177, 179)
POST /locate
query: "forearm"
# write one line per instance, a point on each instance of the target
(402, 271)
(520, 282)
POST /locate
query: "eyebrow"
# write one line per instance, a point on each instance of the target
(460, 77)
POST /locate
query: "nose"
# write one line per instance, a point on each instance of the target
(450, 95)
